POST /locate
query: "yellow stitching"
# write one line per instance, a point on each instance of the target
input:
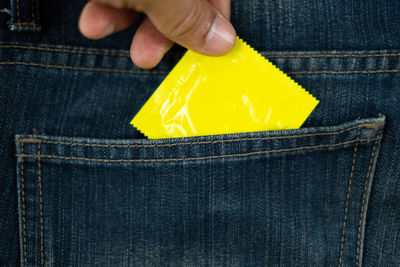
(23, 207)
(348, 198)
(29, 140)
(363, 202)
(40, 206)
(344, 72)
(19, 20)
(80, 68)
(65, 50)
(330, 55)
(32, 140)
(196, 158)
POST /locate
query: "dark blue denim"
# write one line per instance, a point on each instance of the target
(81, 187)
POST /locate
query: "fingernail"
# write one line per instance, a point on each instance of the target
(220, 38)
(109, 30)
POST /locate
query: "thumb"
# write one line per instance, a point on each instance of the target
(195, 24)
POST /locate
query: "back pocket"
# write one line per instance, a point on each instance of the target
(293, 197)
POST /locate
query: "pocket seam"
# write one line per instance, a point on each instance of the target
(23, 208)
(350, 182)
(363, 205)
(50, 156)
(38, 140)
(39, 173)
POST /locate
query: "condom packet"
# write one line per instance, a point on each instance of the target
(238, 92)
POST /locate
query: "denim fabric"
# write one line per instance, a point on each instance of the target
(81, 187)
(25, 15)
(198, 201)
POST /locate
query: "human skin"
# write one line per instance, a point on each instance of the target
(199, 25)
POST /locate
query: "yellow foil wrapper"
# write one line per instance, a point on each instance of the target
(238, 92)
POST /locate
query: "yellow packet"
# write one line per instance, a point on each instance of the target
(238, 92)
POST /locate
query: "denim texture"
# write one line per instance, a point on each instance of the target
(198, 201)
(25, 15)
(81, 187)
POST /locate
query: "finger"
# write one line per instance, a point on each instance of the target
(223, 6)
(149, 45)
(195, 24)
(99, 20)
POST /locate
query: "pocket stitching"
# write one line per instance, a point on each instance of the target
(363, 203)
(37, 140)
(23, 208)
(50, 156)
(40, 206)
(116, 70)
(348, 198)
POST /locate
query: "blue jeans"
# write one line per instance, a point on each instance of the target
(81, 187)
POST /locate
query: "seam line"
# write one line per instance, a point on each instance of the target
(166, 72)
(263, 53)
(50, 156)
(344, 72)
(192, 143)
(363, 202)
(23, 208)
(65, 50)
(334, 56)
(78, 68)
(348, 198)
(19, 23)
(40, 206)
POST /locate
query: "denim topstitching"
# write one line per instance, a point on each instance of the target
(40, 205)
(33, 23)
(348, 198)
(23, 208)
(359, 252)
(37, 140)
(50, 156)
(106, 52)
(33, 64)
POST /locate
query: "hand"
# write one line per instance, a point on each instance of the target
(200, 25)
